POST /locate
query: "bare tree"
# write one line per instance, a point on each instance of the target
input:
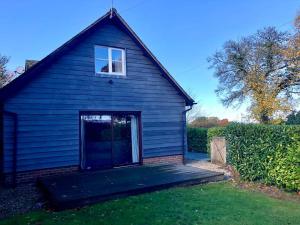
(5, 75)
(194, 113)
(292, 54)
(3, 70)
(196, 110)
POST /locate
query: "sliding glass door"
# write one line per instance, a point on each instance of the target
(109, 140)
(121, 144)
(96, 134)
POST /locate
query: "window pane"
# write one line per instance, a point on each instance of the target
(122, 140)
(116, 54)
(96, 140)
(117, 67)
(101, 66)
(101, 52)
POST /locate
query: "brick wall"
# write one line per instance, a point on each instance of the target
(32, 176)
(177, 159)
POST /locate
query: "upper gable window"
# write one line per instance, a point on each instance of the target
(110, 60)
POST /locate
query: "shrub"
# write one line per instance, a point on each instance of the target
(214, 132)
(197, 139)
(267, 153)
(293, 118)
(208, 122)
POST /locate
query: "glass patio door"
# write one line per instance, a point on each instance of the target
(108, 140)
(121, 145)
(96, 141)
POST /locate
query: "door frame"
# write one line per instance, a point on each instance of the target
(138, 114)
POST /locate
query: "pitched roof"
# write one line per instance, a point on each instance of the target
(33, 71)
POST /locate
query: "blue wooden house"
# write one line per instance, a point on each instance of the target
(101, 100)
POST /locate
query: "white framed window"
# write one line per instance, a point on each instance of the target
(109, 60)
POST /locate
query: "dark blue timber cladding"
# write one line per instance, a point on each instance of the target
(8, 137)
(48, 106)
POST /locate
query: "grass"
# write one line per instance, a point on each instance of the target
(217, 203)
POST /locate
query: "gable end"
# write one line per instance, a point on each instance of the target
(112, 15)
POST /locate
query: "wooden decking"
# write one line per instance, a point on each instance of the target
(76, 190)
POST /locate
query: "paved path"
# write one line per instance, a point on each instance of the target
(196, 156)
(205, 165)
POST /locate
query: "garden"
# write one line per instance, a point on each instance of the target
(265, 160)
(215, 203)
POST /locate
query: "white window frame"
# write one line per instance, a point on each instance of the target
(110, 72)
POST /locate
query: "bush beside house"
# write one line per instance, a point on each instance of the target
(197, 139)
(266, 153)
(214, 132)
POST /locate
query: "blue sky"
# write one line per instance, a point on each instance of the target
(182, 34)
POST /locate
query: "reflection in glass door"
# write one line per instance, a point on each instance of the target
(96, 134)
(121, 140)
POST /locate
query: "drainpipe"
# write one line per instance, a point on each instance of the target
(15, 137)
(184, 133)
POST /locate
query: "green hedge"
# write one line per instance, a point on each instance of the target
(197, 139)
(267, 153)
(214, 132)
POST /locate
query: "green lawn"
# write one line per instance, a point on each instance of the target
(218, 203)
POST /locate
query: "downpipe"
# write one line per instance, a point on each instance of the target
(184, 130)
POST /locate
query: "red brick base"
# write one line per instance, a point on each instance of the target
(33, 175)
(175, 159)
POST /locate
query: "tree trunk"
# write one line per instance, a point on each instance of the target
(264, 118)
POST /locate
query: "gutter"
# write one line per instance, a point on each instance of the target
(184, 133)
